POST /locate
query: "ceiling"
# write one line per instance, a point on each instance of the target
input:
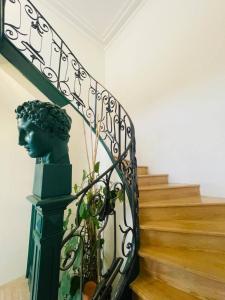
(101, 19)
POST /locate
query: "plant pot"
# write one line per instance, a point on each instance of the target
(89, 289)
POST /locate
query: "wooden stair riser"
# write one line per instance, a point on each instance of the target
(152, 180)
(201, 212)
(142, 170)
(169, 193)
(185, 280)
(197, 241)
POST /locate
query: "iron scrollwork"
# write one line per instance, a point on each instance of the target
(31, 34)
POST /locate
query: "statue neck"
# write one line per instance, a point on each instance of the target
(59, 155)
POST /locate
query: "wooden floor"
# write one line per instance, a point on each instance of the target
(15, 290)
(182, 249)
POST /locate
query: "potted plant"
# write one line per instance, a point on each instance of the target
(81, 258)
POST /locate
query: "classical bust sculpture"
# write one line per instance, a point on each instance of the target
(44, 131)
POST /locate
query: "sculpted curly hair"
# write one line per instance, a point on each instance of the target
(46, 116)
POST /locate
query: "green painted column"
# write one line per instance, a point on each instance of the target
(31, 246)
(2, 3)
(46, 248)
(46, 231)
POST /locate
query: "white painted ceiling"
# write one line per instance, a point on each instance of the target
(99, 18)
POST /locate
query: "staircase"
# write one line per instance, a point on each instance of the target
(182, 235)
(182, 244)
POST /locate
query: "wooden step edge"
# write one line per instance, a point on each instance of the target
(153, 175)
(140, 291)
(142, 253)
(167, 187)
(145, 286)
(142, 166)
(168, 204)
(169, 227)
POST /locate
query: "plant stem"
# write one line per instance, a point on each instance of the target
(86, 146)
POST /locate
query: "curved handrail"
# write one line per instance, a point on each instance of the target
(34, 37)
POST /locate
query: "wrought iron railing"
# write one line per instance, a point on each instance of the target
(31, 35)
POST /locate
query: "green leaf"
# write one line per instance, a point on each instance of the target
(75, 188)
(71, 244)
(96, 167)
(83, 211)
(113, 194)
(95, 222)
(78, 254)
(105, 191)
(77, 296)
(65, 284)
(100, 243)
(61, 296)
(66, 221)
(84, 175)
(121, 195)
(89, 195)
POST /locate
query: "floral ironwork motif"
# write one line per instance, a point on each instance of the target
(31, 34)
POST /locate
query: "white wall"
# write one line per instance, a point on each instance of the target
(17, 168)
(16, 178)
(167, 66)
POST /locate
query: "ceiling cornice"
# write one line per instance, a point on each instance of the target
(77, 21)
(120, 19)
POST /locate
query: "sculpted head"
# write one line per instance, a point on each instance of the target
(44, 131)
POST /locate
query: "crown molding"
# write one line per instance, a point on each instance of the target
(123, 25)
(120, 19)
(80, 23)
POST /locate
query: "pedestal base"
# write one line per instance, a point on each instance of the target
(45, 246)
(52, 180)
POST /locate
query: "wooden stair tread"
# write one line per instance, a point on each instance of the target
(15, 290)
(188, 201)
(152, 175)
(152, 179)
(142, 166)
(210, 265)
(142, 170)
(148, 288)
(167, 186)
(184, 226)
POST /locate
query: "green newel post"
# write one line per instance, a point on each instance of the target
(45, 246)
(1, 19)
(44, 132)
